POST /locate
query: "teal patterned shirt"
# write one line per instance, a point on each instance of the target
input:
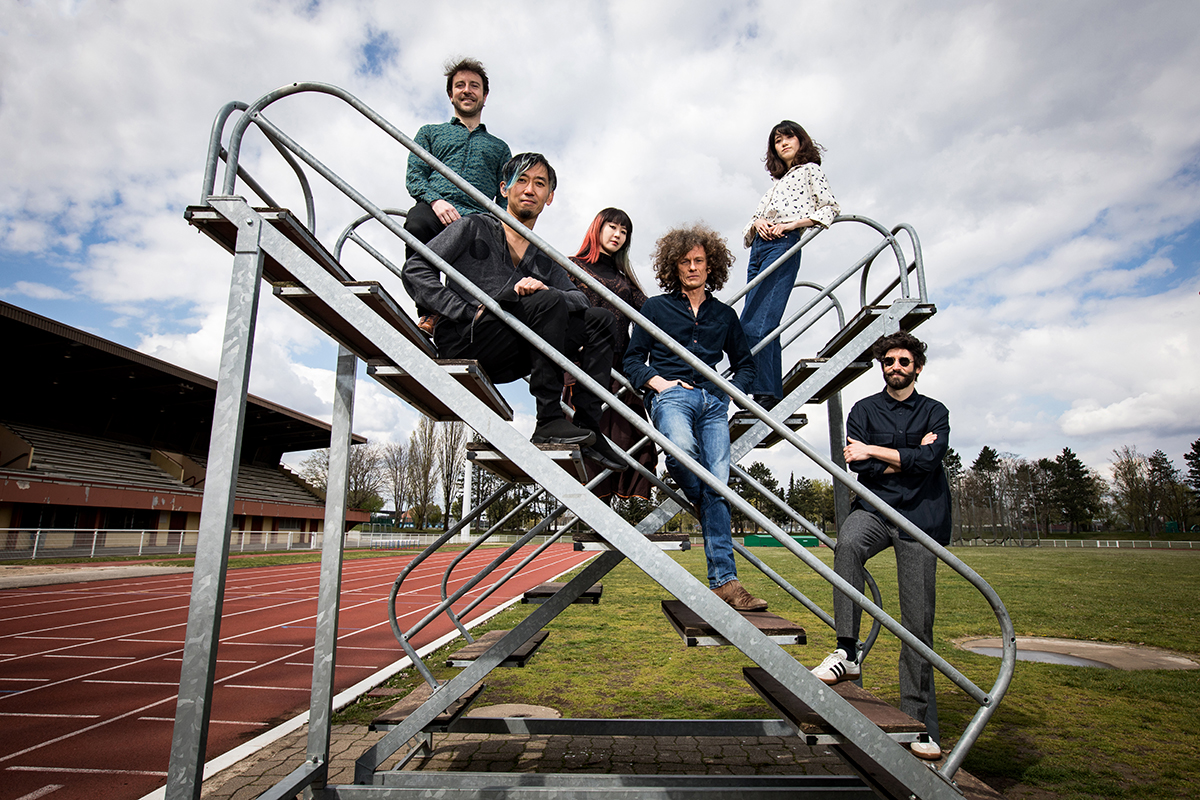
(475, 155)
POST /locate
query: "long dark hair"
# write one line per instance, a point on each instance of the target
(590, 251)
(809, 152)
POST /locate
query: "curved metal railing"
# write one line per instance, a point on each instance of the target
(987, 700)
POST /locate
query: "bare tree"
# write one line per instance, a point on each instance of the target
(393, 459)
(1131, 488)
(422, 480)
(452, 444)
(365, 475)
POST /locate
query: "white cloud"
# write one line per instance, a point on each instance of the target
(1046, 156)
(39, 291)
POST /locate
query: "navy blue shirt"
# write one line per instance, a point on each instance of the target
(919, 491)
(710, 334)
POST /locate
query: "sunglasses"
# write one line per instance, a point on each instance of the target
(887, 361)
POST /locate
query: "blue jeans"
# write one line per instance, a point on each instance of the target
(764, 308)
(696, 421)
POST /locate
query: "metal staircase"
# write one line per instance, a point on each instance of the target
(269, 243)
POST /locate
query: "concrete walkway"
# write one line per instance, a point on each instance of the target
(681, 755)
(13, 576)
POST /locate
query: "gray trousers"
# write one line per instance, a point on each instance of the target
(865, 535)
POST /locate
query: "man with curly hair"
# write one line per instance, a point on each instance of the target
(895, 443)
(691, 263)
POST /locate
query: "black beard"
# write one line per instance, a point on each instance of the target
(523, 213)
(900, 380)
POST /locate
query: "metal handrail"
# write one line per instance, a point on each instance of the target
(986, 700)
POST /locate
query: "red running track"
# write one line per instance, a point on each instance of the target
(89, 671)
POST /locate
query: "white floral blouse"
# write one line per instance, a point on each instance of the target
(803, 192)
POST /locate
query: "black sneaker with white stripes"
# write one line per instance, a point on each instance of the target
(837, 668)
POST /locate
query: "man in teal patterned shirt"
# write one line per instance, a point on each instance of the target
(464, 145)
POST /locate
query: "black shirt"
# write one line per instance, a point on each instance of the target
(919, 491)
(710, 334)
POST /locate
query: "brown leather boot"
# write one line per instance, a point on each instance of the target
(741, 600)
(428, 322)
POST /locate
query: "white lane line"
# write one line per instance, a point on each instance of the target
(89, 728)
(87, 771)
(22, 679)
(181, 624)
(60, 638)
(42, 792)
(172, 698)
(377, 649)
(355, 666)
(55, 716)
(135, 683)
(243, 723)
(74, 655)
(304, 689)
(340, 701)
(339, 666)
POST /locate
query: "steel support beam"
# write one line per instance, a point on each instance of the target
(194, 706)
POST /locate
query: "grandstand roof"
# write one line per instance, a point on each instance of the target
(60, 377)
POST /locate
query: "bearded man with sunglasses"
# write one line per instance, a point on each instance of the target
(895, 444)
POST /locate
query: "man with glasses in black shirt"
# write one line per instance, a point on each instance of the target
(895, 444)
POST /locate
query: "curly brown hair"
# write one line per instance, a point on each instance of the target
(673, 245)
(902, 340)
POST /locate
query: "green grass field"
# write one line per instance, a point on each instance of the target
(1062, 731)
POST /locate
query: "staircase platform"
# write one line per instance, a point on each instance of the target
(466, 371)
(743, 421)
(413, 700)
(224, 233)
(665, 541)
(891, 720)
(895, 723)
(806, 367)
(698, 633)
(324, 317)
(543, 592)
(539, 786)
(468, 655)
(567, 456)
(865, 317)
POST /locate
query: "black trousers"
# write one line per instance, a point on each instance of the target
(422, 223)
(583, 336)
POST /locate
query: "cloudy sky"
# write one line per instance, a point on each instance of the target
(1046, 153)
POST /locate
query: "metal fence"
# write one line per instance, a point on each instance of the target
(1123, 544)
(46, 543)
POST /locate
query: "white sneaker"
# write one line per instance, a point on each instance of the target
(930, 751)
(837, 667)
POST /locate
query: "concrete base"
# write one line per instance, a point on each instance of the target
(1118, 656)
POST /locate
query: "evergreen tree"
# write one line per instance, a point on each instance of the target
(986, 469)
(1192, 457)
(952, 463)
(1077, 491)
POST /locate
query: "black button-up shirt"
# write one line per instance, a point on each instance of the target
(919, 491)
(710, 334)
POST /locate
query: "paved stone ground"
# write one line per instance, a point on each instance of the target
(686, 755)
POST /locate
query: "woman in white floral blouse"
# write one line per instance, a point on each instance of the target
(799, 198)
